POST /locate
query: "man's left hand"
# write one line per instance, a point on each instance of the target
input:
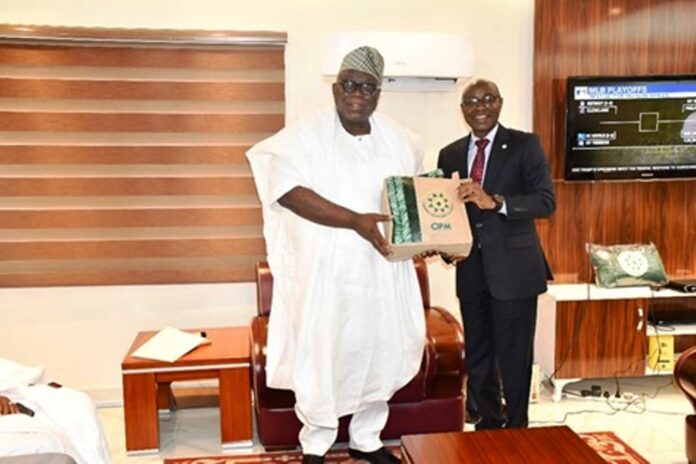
(472, 192)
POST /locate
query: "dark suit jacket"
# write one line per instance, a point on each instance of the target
(514, 265)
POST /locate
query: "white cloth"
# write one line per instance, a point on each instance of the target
(347, 326)
(64, 421)
(365, 428)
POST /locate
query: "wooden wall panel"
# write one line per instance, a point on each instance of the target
(611, 342)
(564, 234)
(621, 37)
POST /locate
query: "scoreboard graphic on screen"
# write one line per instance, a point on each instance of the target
(631, 127)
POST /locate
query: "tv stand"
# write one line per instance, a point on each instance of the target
(584, 331)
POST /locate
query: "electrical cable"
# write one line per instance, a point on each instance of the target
(638, 403)
(658, 354)
(579, 318)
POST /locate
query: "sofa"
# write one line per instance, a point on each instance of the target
(685, 377)
(434, 401)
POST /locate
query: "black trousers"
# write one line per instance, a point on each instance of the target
(499, 337)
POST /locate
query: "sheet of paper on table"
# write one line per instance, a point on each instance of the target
(169, 344)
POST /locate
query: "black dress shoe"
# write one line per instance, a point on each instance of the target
(312, 459)
(472, 416)
(381, 456)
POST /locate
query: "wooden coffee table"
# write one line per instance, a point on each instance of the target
(511, 446)
(226, 358)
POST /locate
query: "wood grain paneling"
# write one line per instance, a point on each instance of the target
(622, 37)
(684, 342)
(600, 338)
(538, 445)
(566, 232)
(235, 405)
(122, 154)
(140, 398)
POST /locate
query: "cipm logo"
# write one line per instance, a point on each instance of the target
(441, 226)
(437, 204)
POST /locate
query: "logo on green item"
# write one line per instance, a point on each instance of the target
(436, 204)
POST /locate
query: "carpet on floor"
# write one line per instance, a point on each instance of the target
(610, 447)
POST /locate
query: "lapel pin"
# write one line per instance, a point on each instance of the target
(504, 147)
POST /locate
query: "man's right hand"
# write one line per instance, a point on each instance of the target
(7, 406)
(452, 259)
(426, 254)
(366, 226)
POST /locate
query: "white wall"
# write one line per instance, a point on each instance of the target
(81, 334)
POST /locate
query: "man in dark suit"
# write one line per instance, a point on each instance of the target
(508, 186)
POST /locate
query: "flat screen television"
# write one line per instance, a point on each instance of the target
(630, 127)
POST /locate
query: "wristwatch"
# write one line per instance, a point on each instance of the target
(499, 201)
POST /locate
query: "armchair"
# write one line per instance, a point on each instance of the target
(432, 402)
(685, 377)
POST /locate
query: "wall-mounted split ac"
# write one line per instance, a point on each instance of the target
(413, 61)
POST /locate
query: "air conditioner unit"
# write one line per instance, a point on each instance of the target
(413, 61)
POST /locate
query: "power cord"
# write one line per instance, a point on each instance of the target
(638, 404)
(579, 318)
(659, 328)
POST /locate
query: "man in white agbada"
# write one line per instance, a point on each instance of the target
(64, 421)
(347, 328)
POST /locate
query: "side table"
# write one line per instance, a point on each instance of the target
(226, 358)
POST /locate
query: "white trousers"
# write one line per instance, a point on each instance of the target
(365, 427)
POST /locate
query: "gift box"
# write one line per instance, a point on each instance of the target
(426, 215)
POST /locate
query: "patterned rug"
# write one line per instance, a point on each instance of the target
(610, 447)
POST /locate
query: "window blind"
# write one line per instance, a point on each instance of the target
(122, 154)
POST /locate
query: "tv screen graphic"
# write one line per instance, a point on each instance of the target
(630, 127)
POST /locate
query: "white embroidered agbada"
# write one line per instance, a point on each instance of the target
(65, 420)
(347, 326)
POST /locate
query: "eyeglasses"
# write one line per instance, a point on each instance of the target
(488, 100)
(365, 88)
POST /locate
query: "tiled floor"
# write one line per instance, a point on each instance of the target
(652, 423)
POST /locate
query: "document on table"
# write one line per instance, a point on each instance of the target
(169, 344)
